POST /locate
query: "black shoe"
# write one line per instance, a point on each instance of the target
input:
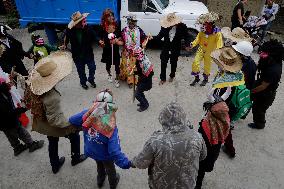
(79, 160)
(116, 183)
(139, 104)
(142, 109)
(84, 86)
(60, 163)
(19, 149)
(36, 145)
(254, 126)
(204, 82)
(195, 81)
(93, 84)
(101, 181)
(231, 154)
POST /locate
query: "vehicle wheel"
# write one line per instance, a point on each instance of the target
(192, 33)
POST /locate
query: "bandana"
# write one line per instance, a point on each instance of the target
(144, 62)
(217, 123)
(39, 41)
(101, 117)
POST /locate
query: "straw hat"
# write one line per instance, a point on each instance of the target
(237, 35)
(170, 20)
(49, 71)
(227, 59)
(208, 17)
(131, 17)
(76, 18)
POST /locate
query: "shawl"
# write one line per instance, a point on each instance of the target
(228, 79)
(144, 62)
(101, 117)
(217, 123)
(131, 38)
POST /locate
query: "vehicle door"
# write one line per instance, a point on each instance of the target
(148, 15)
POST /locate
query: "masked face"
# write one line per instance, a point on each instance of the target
(132, 24)
(208, 28)
(270, 3)
(84, 22)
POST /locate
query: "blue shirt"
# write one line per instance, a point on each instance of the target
(98, 146)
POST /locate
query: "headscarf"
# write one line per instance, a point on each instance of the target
(101, 116)
(173, 118)
(216, 124)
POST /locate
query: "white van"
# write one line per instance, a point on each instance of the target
(149, 12)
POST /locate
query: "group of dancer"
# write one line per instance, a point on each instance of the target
(176, 156)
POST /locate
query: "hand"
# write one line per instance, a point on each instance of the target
(131, 165)
(62, 47)
(241, 22)
(188, 48)
(144, 45)
(113, 41)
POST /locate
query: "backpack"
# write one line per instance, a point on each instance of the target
(241, 102)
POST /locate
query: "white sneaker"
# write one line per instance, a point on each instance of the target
(116, 83)
(110, 79)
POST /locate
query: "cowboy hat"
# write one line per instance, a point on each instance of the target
(76, 18)
(236, 35)
(208, 17)
(170, 20)
(49, 71)
(228, 59)
(131, 17)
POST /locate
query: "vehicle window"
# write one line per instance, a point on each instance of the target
(141, 6)
(163, 3)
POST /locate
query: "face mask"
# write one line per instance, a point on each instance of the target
(263, 55)
(84, 22)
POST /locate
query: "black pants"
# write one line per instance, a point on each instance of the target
(14, 134)
(107, 168)
(208, 163)
(143, 85)
(261, 103)
(235, 24)
(116, 66)
(53, 148)
(165, 57)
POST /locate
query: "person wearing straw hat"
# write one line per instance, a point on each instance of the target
(10, 112)
(236, 35)
(81, 38)
(208, 39)
(12, 53)
(228, 76)
(44, 101)
(101, 137)
(173, 31)
(172, 154)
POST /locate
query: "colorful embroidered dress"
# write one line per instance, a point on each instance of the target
(132, 40)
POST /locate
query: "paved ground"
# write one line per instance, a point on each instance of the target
(259, 163)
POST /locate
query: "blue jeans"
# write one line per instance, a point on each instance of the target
(80, 65)
(264, 30)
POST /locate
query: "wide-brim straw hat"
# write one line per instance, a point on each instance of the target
(49, 71)
(228, 59)
(76, 18)
(236, 35)
(170, 20)
(209, 17)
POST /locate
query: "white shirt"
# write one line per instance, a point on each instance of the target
(172, 33)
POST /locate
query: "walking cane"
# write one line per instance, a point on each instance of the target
(134, 80)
